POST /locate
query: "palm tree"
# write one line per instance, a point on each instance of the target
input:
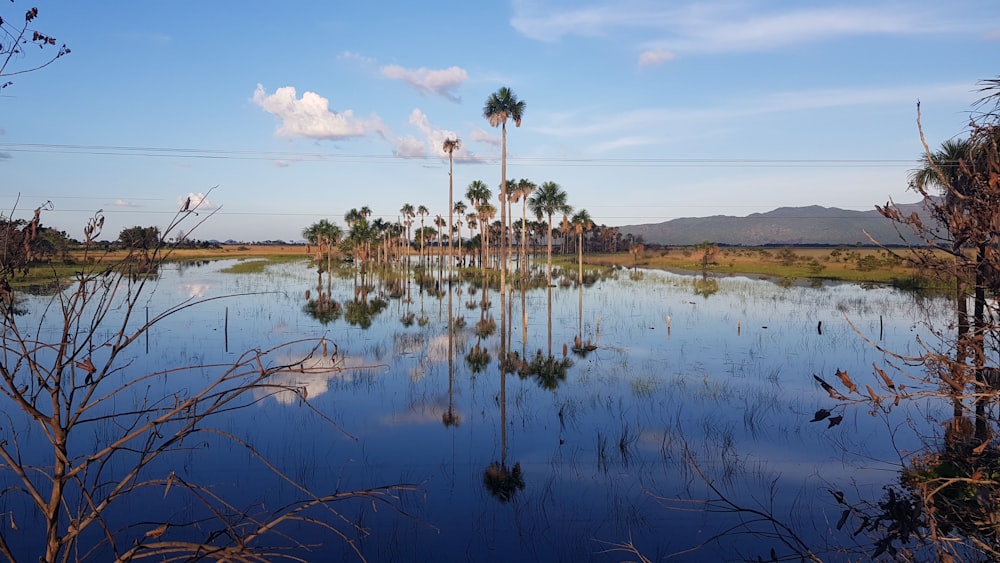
(948, 170)
(581, 222)
(548, 200)
(459, 209)
(450, 146)
(325, 235)
(352, 217)
(501, 106)
(524, 189)
(439, 222)
(423, 212)
(408, 212)
(486, 212)
(479, 194)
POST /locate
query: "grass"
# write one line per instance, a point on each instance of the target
(45, 274)
(818, 263)
(836, 263)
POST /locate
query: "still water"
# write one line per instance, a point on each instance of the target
(657, 384)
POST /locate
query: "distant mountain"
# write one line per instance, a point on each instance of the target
(786, 225)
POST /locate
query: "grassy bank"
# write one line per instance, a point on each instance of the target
(253, 258)
(847, 264)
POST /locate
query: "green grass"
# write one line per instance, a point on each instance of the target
(258, 265)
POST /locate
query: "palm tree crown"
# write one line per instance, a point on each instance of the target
(503, 105)
(548, 200)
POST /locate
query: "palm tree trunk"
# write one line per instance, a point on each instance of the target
(550, 250)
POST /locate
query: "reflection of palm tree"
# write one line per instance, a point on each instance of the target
(361, 312)
(705, 286)
(450, 418)
(503, 482)
(323, 309)
(478, 358)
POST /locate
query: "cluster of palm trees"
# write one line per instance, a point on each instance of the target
(492, 236)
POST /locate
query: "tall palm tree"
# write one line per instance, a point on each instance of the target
(423, 212)
(501, 106)
(479, 194)
(948, 171)
(325, 235)
(450, 146)
(524, 189)
(459, 209)
(408, 212)
(581, 222)
(548, 200)
(486, 213)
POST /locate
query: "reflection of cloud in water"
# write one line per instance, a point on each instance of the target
(196, 289)
(435, 350)
(314, 374)
(425, 413)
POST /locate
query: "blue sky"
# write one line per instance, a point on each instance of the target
(643, 111)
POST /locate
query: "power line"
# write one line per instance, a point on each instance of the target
(227, 154)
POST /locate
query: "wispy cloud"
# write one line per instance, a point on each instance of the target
(311, 117)
(623, 143)
(355, 57)
(624, 124)
(427, 81)
(654, 57)
(478, 135)
(731, 26)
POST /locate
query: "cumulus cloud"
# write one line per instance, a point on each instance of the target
(122, 203)
(311, 117)
(482, 136)
(427, 81)
(409, 147)
(436, 136)
(195, 202)
(654, 57)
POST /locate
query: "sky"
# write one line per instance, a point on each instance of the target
(273, 116)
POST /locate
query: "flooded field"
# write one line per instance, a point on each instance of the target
(639, 415)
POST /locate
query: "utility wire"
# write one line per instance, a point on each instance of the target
(226, 154)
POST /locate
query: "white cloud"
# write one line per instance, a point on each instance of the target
(426, 81)
(195, 202)
(584, 123)
(732, 27)
(123, 203)
(432, 143)
(311, 117)
(358, 57)
(409, 147)
(654, 57)
(482, 136)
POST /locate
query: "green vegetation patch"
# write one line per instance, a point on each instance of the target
(258, 265)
